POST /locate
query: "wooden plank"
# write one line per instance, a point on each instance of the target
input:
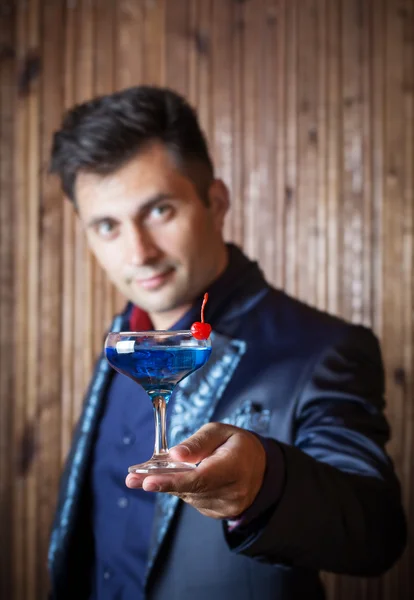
(177, 48)
(352, 188)
(266, 131)
(235, 224)
(220, 100)
(191, 34)
(20, 349)
(291, 148)
(307, 82)
(321, 199)
(377, 157)
(201, 65)
(154, 42)
(276, 16)
(404, 573)
(368, 237)
(68, 357)
(393, 215)
(50, 330)
(33, 274)
(129, 43)
(397, 265)
(19, 446)
(252, 173)
(7, 281)
(104, 15)
(333, 150)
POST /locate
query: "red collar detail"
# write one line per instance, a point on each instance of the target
(139, 320)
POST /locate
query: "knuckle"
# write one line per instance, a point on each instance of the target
(224, 452)
(198, 486)
(241, 494)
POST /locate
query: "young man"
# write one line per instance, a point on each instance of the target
(286, 419)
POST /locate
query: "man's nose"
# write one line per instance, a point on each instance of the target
(141, 246)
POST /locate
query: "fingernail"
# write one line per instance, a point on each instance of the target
(133, 481)
(151, 486)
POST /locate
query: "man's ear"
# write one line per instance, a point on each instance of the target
(219, 202)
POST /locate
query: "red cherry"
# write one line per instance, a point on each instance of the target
(201, 331)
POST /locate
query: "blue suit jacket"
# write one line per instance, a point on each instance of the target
(294, 374)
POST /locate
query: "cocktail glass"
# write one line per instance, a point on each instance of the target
(157, 360)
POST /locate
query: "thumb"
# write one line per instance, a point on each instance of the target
(202, 443)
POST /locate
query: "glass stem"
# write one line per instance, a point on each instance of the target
(160, 411)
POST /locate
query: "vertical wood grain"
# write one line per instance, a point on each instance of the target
(154, 42)
(307, 83)
(7, 276)
(17, 404)
(83, 78)
(397, 249)
(235, 221)
(50, 295)
(270, 121)
(291, 149)
(68, 252)
(308, 106)
(254, 174)
(177, 46)
(333, 148)
(408, 284)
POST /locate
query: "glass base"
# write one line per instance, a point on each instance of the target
(157, 466)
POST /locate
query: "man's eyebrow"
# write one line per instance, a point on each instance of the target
(145, 207)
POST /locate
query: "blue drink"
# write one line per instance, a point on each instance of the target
(158, 369)
(157, 361)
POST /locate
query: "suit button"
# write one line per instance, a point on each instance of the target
(122, 502)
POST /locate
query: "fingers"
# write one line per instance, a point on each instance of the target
(203, 443)
(211, 444)
(197, 481)
(193, 450)
(156, 483)
(134, 480)
(228, 478)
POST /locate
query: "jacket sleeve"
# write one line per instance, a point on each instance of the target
(340, 508)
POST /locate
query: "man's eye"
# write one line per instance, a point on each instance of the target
(161, 212)
(106, 228)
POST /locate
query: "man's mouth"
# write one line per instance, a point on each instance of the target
(155, 281)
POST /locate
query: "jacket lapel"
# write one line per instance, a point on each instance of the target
(78, 460)
(194, 402)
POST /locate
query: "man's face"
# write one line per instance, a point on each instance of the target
(151, 232)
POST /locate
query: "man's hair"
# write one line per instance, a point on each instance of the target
(101, 135)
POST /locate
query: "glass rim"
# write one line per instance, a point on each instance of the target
(154, 332)
(168, 337)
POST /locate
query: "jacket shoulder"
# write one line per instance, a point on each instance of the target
(281, 319)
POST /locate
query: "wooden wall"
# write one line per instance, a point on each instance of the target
(309, 107)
